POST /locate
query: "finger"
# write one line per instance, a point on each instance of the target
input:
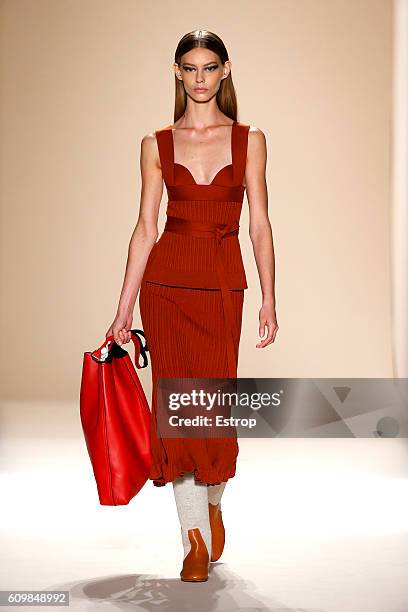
(124, 335)
(271, 328)
(261, 344)
(262, 331)
(270, 337)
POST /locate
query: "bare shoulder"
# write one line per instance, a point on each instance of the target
(149, 141)
(256, 136)
(256, 142)
(149, 148)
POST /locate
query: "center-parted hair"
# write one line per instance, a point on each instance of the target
(226, 96)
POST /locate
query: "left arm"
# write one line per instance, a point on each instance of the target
(260, 232)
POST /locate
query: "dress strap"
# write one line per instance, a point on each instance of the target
(165, 146)
(240, 149)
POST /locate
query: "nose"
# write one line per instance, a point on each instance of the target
(200, 76)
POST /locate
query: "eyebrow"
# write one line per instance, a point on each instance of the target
(207, 64)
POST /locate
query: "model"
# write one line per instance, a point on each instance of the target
(192, 280)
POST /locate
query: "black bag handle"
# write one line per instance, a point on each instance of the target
(143, 348)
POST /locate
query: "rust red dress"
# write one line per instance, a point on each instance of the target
(191, 300)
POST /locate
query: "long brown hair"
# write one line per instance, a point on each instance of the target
(226, 96)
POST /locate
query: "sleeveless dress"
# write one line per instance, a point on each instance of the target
(191, 299)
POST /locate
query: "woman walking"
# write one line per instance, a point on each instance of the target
(192, 280)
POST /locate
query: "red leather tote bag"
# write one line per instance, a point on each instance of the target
(115, 419)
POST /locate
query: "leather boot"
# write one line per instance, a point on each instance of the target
(217, 531)
(196, 562)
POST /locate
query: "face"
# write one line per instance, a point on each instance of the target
(201, 71)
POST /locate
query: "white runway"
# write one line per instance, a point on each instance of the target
(312, 525)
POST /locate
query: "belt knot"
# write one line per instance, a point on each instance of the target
(219, 233)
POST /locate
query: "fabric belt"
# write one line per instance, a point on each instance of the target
(218, 231)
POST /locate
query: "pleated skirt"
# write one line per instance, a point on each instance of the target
(185, 332)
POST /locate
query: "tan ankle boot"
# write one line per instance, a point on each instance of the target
(196, 562)
(217, 531)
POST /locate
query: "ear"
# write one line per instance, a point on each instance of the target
(177, 71)
(227, 68)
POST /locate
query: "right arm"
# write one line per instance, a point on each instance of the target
(142, 240)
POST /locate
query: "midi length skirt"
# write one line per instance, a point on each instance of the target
(185, 333)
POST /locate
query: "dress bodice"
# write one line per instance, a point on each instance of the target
(181, 257)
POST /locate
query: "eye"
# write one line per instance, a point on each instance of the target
(208, 68)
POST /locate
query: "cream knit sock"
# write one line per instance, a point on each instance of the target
(192, 508)
(215, 493)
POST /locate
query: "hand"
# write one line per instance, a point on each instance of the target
(267, 316)
(120, 328)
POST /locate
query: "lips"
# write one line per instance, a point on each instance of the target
(200, 89)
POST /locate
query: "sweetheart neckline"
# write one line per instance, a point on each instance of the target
(202, 184)
(219, 171)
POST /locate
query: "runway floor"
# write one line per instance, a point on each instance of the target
(312, 525)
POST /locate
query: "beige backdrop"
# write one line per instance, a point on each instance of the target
(83, 81)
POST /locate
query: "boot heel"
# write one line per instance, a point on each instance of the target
(217, 531)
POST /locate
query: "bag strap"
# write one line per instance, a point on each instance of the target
(105, 351)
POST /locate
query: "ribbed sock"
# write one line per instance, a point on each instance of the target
(215, 493)
(192, 508)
